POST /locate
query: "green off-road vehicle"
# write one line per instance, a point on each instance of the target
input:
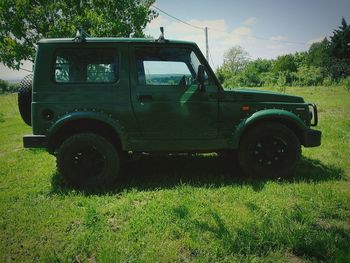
(92, 100)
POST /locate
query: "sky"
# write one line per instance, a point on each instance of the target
(264, 28)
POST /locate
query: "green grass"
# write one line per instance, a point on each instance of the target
(180, 208)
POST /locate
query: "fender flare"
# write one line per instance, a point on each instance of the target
(268, 115)
(89, 115)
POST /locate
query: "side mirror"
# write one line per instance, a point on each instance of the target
(201, 78)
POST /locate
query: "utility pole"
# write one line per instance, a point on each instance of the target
(206, 43)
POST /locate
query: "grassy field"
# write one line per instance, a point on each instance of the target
(180, 208)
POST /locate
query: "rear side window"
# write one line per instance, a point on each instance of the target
(86, 65)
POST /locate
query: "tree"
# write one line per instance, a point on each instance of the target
(253, 72)
(340, 41)
(285, 63)
(340, 52)
(308, 76)
(3, 86)
(284, 67)
(235, 59)
(24, 22)
(319, 54)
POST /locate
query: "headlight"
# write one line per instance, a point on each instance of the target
(313, 114)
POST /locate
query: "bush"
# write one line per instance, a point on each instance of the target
(285, 63)
(328, 82)
(269, 79)
(3, 86)
(282, 79)
(13, 87)
(308, 76)
(346, 83)
(234, 81)
(8, 87)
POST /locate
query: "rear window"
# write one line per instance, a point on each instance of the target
(86, 65)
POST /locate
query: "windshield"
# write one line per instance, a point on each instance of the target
(194, 62)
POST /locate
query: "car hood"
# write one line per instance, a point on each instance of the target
(259, 96)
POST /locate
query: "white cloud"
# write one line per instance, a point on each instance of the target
(220, 37)
(250, 21)
(276, 47)
(278, 38)
(242, 31)
(314, 40)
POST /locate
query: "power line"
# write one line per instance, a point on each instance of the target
(223, 31)
(178, 19)
(25, 69)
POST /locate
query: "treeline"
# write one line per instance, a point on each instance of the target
(325, 63)
(7, 87)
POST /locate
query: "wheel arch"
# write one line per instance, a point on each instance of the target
(85, 122)
(284, 117)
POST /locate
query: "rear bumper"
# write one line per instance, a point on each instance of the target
(312, 138)
(35, 141)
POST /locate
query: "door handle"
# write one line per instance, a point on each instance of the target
(142, 97)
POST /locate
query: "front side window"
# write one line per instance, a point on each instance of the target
(166, 66)
(86, 65)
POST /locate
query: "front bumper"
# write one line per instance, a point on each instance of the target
(35, 141)
(312, 138)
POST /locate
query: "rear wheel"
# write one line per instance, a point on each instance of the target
(88, 160)
(269, 150)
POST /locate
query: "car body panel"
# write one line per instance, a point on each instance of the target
(158, 118)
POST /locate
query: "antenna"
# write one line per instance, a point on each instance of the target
(161, 37)
(81, 35)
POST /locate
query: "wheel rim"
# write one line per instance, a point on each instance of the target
(269, 151)
(87, 162)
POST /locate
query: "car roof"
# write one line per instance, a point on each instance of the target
(113, 40)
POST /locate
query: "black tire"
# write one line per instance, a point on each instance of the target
(269, 151)
(88, 160)
(25, 99)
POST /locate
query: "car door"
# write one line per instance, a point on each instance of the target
(165, 96)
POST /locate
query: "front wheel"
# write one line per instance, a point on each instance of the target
(269, 151)
(88, 160)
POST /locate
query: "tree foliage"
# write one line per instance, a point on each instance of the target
(5, 86)
(319, 54)
(339, 66)
(285, 63)
(24, 22)
(325, 63)
(340, 41)
(235, 59)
